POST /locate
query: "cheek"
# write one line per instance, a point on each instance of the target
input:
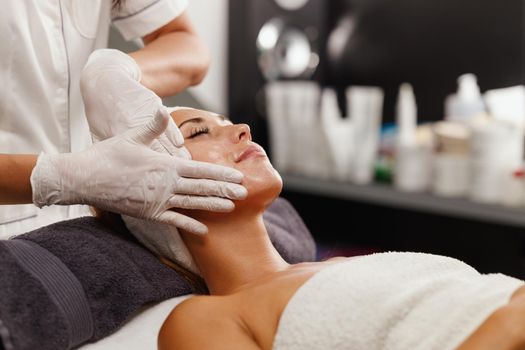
(210, 153)
(260, 177)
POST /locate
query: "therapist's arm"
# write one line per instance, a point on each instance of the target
(173, 58)
(15, 174)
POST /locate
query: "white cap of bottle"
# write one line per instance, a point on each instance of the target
(467, 102)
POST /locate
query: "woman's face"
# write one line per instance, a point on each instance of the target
(212, 138)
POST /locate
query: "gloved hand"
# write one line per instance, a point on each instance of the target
(122, 174)
(115, 100)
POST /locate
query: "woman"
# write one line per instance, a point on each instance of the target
(45, 45)
(382, 301)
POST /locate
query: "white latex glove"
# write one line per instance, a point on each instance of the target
(124, 175)
(115, 100)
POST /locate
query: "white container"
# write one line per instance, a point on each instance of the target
(406, 116)
(496, 151)
(467, 102)
(514, 190)
(365, 110)
(297, 122)
(413, 168)
(451, 176)
(278, 126)
(298, 143)
(339, 135)
(311, 155)
(413, 161)
(507, 105)
(486, 184)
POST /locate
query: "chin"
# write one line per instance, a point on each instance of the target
(264, 184)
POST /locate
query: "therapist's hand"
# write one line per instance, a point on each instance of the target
(124, 175)
(115, 100)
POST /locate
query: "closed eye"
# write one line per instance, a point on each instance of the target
(201, 130)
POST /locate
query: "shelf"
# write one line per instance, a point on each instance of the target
(423, 202)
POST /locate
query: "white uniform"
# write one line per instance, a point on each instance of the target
(44, 45)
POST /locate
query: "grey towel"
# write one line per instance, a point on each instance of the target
(79, 280)
(288, 233)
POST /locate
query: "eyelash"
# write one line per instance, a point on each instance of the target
(199, 131)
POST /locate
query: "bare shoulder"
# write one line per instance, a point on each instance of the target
(204, 322)
(338, 259)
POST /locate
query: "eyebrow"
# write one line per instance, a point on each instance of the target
(192, 120)
(198, 120)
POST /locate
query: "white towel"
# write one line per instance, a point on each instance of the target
(141, 332)
(391, 301)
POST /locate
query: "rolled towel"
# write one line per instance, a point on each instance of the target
(76, 281)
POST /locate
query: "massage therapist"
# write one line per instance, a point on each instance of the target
(47, 161)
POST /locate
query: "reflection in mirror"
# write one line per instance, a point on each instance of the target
(284, 51)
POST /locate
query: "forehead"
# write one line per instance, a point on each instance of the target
(181, 116)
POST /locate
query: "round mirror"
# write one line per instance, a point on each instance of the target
(291, 4)
(284, 51)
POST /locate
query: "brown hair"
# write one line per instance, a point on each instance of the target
(114, 222)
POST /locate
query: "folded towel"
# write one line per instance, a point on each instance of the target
(394, 301)
(79, 280)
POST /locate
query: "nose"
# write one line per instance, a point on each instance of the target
(241, 132)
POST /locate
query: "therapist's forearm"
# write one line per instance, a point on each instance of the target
(172, 62)
(15, 174)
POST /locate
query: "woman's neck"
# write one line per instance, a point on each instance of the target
(235, 252)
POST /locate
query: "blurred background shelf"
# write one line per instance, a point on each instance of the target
(386, 195)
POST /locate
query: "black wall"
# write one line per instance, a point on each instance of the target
(429, 44)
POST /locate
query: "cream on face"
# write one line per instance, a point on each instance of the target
(213, 138)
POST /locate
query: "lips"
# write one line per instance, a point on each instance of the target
(252, 151)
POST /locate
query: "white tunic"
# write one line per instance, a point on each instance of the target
(391, 301)
(44, 46)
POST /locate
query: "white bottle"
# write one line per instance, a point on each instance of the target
(339, 135)
(495, 152)
(279, 126)
(406, 116)
(467, 102)
(451, 175)
(365, 110)
(413, 161)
